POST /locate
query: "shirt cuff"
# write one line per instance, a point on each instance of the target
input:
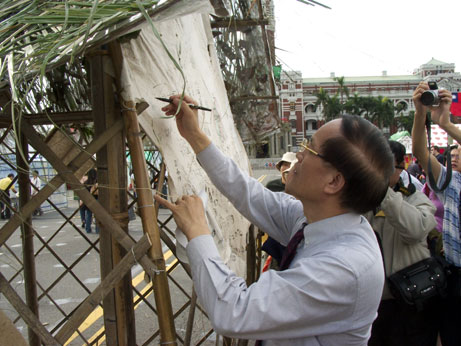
(200, 248)
(207, 157)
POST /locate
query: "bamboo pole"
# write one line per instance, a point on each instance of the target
(251, 256)
(190, 318)
(259, 245)
(146, 207)
(100, 107)
(161, 180)
(111, 163)
(51, 118)
(26, 314)
(27, 236)
(235, 24)
(149, 223)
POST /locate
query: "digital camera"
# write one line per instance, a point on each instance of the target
(430, 97)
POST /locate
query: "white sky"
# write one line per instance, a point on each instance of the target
(366, 37)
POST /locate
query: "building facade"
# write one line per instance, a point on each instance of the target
(297, 94)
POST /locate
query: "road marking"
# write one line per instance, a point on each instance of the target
(61, 244)
(142, 293)
(98, 312)
(66, 301)
(92, 281)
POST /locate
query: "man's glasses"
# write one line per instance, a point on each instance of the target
(306, 145)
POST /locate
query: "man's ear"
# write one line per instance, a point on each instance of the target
(335, 184)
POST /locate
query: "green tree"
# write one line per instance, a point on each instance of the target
(353, 104)
(367, 105)
(334, 108)
(322, 100)
(342, 89)
(331, 105)
(405, 122)
(383, 112)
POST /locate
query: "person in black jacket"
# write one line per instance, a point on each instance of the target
(271, 246)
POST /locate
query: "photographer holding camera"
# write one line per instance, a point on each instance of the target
(438, 102)
(402, 222)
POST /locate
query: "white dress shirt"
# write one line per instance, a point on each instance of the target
(328, 296)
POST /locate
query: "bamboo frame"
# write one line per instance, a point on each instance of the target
(111, 164)
(146, 207)
(125, 252)
(101, 214)
(55, 183)
(149, 222)
(43, 194)
(25, 312)
(109, 282)
(27, 238)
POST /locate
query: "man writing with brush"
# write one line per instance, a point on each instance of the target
(331, 278)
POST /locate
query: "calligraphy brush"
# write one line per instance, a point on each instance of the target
(164, 99)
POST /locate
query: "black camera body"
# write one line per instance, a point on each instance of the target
(431, 97)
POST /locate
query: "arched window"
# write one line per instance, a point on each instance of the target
(310, 108)
(402, 106)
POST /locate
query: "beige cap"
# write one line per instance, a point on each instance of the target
(291, 166)
(287, 157)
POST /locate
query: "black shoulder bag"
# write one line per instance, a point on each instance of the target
(418, 283)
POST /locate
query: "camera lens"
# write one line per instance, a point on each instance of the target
(428, 98)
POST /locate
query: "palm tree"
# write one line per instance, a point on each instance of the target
(368, 106)
(331, 106)
(342, 89)
(383, 114)
(405, 122)
(322, 100)
(353, 104)
(333, 109)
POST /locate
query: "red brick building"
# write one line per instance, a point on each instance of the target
(297, 94)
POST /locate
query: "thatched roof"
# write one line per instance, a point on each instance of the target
(44, 42)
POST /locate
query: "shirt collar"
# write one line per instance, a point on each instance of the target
(330, 228)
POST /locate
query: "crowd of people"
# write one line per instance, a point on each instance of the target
(347, 215)
(344, 217)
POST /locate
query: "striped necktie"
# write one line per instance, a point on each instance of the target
(291, 248)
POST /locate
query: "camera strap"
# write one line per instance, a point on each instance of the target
(429, 168)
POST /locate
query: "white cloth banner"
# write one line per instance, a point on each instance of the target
(147, 73)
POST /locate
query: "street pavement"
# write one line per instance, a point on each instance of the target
(70, 245)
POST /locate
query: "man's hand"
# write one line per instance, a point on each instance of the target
(189, 215)
(187, 122)
(441, 114)
(420, 109)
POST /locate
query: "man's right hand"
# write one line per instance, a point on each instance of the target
(420, 109)
(187, 122)
(440, 114)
